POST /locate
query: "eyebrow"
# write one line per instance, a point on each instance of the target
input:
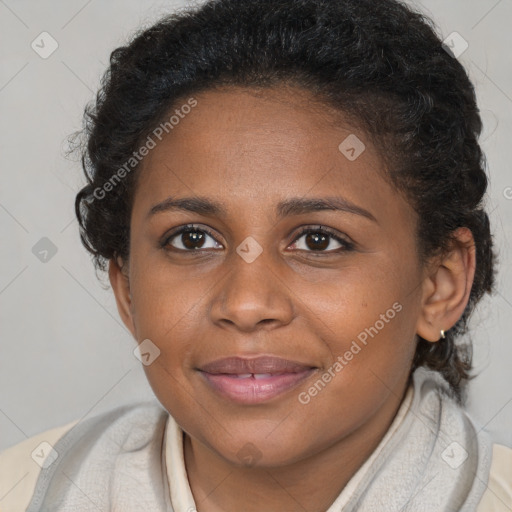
(288, 207)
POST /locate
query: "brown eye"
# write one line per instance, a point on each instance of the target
(316, 241)
(190, 238)
(319, 240)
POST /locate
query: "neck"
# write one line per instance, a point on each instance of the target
(312, 483)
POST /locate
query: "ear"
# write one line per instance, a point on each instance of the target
(120, 284)
(447, 288)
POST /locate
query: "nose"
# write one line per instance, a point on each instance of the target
(252, 296)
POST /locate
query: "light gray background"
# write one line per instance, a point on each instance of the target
(64, 353)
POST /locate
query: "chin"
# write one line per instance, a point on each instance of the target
(259, 452)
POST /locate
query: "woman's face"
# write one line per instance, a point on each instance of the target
(340, 303)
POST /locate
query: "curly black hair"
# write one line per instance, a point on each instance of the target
(379, 63)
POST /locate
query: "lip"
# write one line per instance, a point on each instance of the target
(254, 380)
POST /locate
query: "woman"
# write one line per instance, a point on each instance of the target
(287, 197)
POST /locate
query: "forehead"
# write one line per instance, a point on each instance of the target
(241, 145)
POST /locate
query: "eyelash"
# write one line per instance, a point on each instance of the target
(347, 246)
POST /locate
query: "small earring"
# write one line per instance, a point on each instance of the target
(443, 336)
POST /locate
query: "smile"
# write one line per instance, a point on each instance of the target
(252, 381)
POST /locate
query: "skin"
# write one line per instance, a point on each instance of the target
(250, 150)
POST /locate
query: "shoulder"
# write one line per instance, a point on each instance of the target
(498, 496)
(21, 464)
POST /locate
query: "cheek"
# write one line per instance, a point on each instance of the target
(170, 308)
(367, 317)
(355, 297)
(167, 311)
(165, 300)
(368, 331)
